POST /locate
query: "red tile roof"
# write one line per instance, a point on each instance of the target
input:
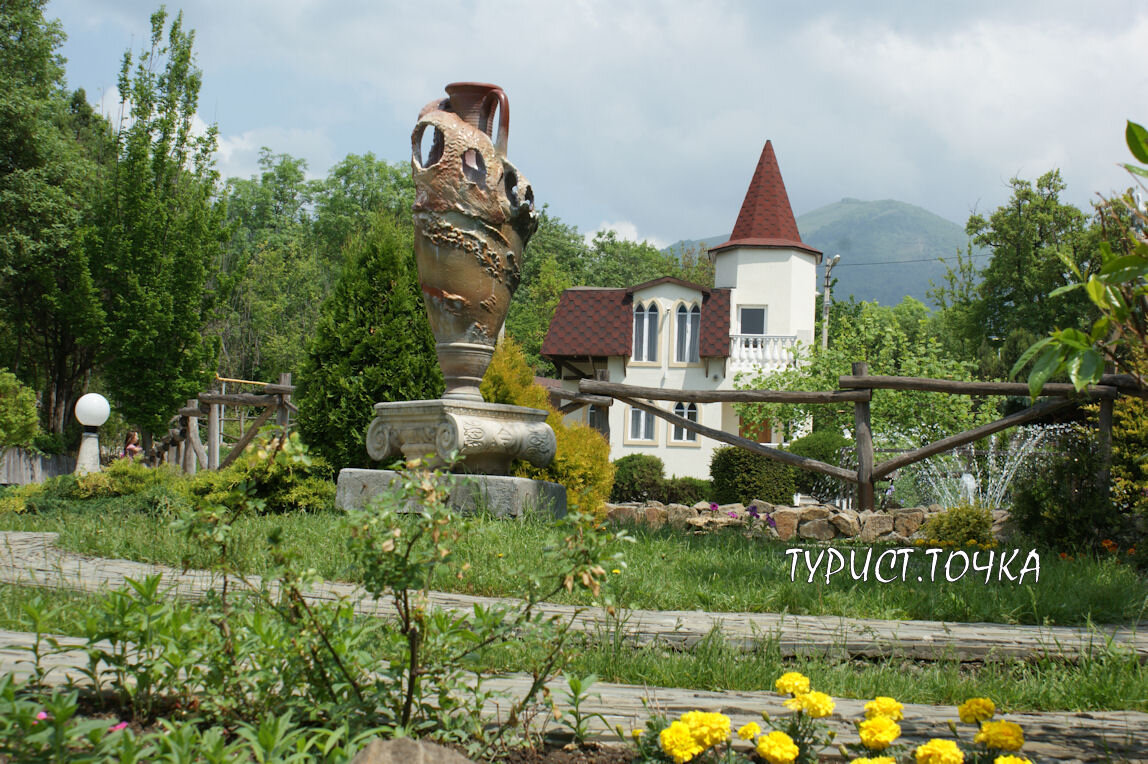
(590, 322)
(599, 322)
(766, 219)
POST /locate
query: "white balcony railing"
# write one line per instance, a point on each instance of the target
(749, 352)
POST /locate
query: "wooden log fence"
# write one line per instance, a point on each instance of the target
(858, 389)
(182, 444)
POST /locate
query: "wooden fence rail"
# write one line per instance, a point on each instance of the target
(182, 443)
(858, 389)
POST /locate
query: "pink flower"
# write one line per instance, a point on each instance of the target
(117, 727)
(732, 514)
(42, 715)
(713, 506)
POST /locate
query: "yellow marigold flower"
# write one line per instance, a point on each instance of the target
(792, 683)
(938, 751)
(677, 742)
(1004, 736)
(883, 706)
(878, 733)
(749, 731)
(815, 704)
(874, 760)
(976, 710)
(777, 748)
(637, 733)
(1010, 759)
(708, 729)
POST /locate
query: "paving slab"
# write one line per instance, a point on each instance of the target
(33, 559)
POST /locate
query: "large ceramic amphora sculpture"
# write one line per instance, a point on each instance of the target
(473, 214)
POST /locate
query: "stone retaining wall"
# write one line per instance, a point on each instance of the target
(810, 522)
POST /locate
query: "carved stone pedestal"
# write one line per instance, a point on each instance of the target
(489, 436)
(500, 495)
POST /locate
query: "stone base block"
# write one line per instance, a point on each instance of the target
(500, 495)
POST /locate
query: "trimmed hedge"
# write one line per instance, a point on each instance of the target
(742, 476)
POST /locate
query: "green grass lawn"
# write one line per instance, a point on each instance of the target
(665, 569)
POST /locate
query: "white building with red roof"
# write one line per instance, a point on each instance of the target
(671, 334)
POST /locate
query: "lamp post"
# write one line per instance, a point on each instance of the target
(825, 303)
(92, 410)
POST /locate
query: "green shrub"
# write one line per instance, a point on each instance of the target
(50, 443)
(19, 421)
(372, 343)
(123, 477)
(1056, 499)
(582, 462)
(961, 525)
(687, 490)
(1130, 456)
(265, 477)
(638, 477)
(824, 446)
(742, 476)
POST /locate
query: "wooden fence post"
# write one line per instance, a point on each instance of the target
(863, 439)
(188, 424)
(1104, 444)
(284, 415)
(213, 433)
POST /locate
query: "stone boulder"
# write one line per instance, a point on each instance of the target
(678, 516)
(875, 526)
(815, 512)
(404, 750)
(818, 530)
(908, 521)
(786, 520)
(847, 523)
(761, 507)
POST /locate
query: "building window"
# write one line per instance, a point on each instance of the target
(641, 425)
(598, 417)
(752, 320)
(689, 327)
(690, 412)
(646, 332)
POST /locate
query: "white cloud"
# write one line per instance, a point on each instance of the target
(238, 155)
(626, 231)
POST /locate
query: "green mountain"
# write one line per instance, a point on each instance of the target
(888, 249)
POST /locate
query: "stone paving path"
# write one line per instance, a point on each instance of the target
(32, 559)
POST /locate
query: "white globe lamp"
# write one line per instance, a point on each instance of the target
(92, 410)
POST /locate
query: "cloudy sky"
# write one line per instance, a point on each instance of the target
(649, 117)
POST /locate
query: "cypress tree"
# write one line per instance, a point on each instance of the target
(372, 343)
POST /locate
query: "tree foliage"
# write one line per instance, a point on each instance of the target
(276, 282)
(159, 230)
(372, 343)
(1118, 291)
(49, 141)
(893, 341)
(1035, 241)
(18, 418)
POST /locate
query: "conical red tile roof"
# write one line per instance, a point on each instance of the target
(766, 219)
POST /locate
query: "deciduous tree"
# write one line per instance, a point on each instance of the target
(159, 230)
(49, 308)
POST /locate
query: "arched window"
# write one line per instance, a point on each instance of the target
(646, 332)
(689, 322)
(686, 411)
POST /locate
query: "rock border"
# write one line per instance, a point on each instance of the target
(808, 522)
